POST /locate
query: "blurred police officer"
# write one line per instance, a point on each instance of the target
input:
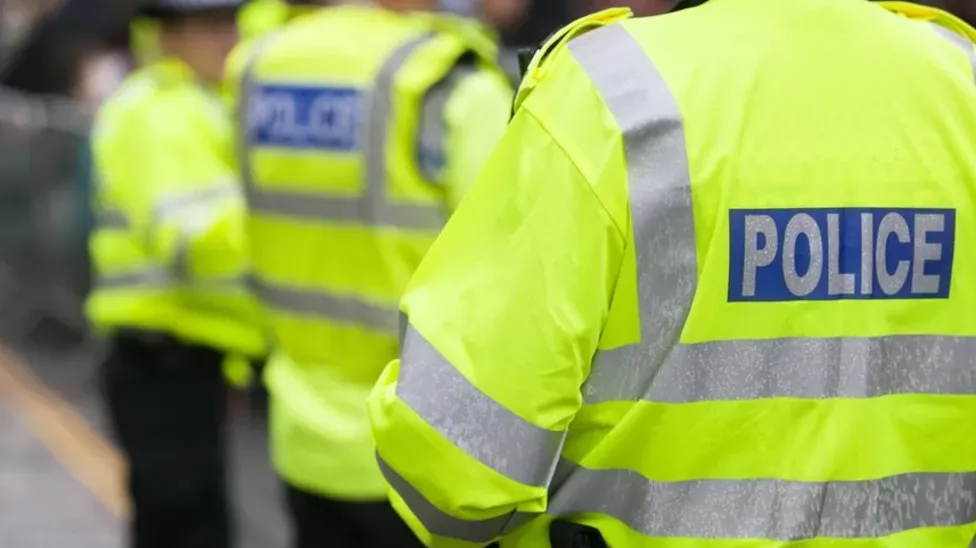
(364, 126)
(169, 262)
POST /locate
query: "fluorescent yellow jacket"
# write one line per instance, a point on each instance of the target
(168, 249)
(259, 17)
(713, 290)
(362, 130)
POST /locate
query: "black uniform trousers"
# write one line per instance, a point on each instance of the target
(319, 522)
(167, 402)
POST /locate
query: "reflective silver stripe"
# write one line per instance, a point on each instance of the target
(771, 509)
(179, 203)
(658, 368)
(432, 137)
(659, 184)
(965, 44)
(111, 219)
(437, 522)
(800, 368)
(345, 210)
(316, 303)
(374, 207)
(152, 278)
(471, 420)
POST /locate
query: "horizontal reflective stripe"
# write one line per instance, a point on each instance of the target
(150, 278)
(374, 208)
(791, 368)
(344, 309)
(345, 210)
(768, 508)
(438, 522)
(111, 219)
(470, 419)
(160, 278)
(177, 204)
(962, 42)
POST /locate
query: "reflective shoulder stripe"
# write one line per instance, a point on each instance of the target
(963, 43)
(536, 69)
(659, 186)
(432, 134)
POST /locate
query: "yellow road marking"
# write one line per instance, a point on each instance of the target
(90, 458)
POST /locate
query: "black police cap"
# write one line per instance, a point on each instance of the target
(165, 8)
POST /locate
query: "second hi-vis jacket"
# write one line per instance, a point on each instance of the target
(168, 247)
(713, 290)
(363, 128)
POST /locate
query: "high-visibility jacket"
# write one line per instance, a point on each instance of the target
(168, 246)
(259, 17)
(362, 130)
(707, 292)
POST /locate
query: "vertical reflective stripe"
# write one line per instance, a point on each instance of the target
(470, 419)
(374, 207)
(659, 185)
(965, 44)
(432, 135)
(379, 137)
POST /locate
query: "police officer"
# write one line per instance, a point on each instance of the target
(706, 292)
(362, 129)
(169, 261)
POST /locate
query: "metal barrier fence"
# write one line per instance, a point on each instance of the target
(43, 257)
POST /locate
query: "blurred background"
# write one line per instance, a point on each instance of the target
(59, 477)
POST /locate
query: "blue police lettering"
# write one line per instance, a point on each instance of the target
(844, 253)
(305, 117)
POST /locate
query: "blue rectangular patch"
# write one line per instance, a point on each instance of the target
(840, 253)
(308, 117)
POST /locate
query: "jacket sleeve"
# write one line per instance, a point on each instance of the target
(502, 319)
(168, 165)
(463, 119)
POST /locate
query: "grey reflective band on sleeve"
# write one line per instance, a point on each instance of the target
(374, 207)
(317, 303)
(768, 508)
(147, 278)
(795, 368)
(963, 43)
(207, 198)
(471, 420)
(436, 521)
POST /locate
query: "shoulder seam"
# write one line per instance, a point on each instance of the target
(589, 183)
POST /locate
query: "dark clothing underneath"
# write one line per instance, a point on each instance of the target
(319, 522)
(167, 401)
